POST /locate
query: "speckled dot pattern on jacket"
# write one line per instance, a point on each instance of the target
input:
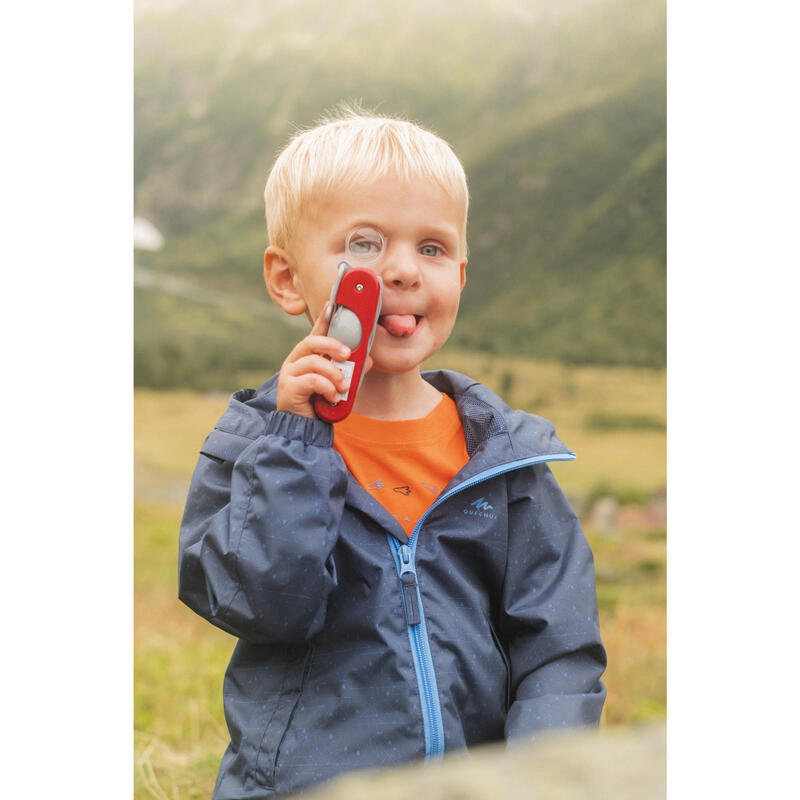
(281, 547)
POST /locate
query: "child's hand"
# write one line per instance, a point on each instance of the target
(306, 372)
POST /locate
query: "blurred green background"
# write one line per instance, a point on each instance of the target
(557, 111)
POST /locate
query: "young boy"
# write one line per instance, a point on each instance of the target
(408, 581)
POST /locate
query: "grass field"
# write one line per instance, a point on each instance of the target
(180, 659)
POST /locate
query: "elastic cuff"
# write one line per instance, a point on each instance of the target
(305, 429)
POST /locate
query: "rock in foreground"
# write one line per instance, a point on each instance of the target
(623, 764)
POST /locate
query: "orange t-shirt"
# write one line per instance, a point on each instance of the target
(404, 464)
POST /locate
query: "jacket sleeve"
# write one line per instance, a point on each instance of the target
(260, 524)
(549, 612)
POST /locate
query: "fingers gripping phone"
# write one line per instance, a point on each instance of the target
(353, 312)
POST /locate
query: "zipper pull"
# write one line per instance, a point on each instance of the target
(405, 559)
(408, 578)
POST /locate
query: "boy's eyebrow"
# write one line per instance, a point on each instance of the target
(443, 232)
(360, 222)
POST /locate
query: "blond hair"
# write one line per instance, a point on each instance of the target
(354, 146)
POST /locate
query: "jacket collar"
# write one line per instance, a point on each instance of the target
(490, 426)
(494, 433)
(485, 417)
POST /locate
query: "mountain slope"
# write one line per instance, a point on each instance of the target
(556, 110)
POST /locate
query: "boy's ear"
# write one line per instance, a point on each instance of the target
(280, 281)
(463, 266)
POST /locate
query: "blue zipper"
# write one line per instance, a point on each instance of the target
(412, 604)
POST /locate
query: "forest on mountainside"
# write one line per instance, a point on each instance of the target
(558, 113)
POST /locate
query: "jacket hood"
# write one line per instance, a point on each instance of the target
(484, 416)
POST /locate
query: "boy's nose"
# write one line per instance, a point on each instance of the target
(399, 269)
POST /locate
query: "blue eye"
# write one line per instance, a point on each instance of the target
(431, 250)
(365, 244)
(364, 247)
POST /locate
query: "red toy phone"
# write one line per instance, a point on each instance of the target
(353, 311)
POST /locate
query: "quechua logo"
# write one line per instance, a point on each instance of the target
(480, 508)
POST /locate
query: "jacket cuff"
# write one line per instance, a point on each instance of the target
(305, 429)
(528, 718)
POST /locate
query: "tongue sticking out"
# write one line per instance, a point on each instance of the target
(399, 324)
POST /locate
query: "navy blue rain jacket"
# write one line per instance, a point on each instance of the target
(359, 647)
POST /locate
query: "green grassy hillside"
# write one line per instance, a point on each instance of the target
(557, 111)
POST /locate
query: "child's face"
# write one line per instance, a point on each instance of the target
(421, 265)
